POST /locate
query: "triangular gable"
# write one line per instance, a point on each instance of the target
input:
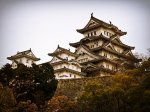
(84, 50)
(27, 53)
(110, 46)
(91, 23)
(55, 59)
(73, 62)
(57, 50)
(116, 39)
(129, 53)
(90, 67)
(31, 54)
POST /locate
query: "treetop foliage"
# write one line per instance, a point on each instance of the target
(36, 84)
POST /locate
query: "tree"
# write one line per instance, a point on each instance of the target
(60, 104)
(36, 83)
(26, 106)
(7, 99)
(6, 74)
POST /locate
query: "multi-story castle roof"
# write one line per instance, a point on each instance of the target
(25, 57)
(101, 48)
(96, 23)
(28, 54)
(64, 64)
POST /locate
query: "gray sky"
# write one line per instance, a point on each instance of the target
(43, 24)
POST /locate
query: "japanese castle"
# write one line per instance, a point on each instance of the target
(99, 53)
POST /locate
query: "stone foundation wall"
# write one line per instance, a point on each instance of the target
(74, 87)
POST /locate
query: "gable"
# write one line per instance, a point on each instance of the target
(31, 54)
(129, 53)
(110, 46)
(57, 50)
(84, 55)
(81, 50)
(117, 40)
(91, 23)
(54, 59)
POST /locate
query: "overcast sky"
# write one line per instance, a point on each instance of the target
(43, 24)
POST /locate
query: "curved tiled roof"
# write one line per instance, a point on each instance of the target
(70, 70)
(61, 50)
(101, 24)
(24, 54)
(101, 36)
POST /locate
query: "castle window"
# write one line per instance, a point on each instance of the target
(111, 56)
(107, 33)
(118, 50)
(113, 68)
(88, 35)
(94, 32)
(66, 58)
(74, 76)
(92, 46)
(96, 43)
(107, 65)
(70, 75)
(105, 54)
(86, 59)
(91, 33)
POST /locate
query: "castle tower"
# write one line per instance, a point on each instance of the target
(64, 64)
(25, 57)
(101, 51)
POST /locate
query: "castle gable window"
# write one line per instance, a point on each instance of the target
(105, 54)
(107, 66)
(27, 61)
(92, 46)
(91, 33)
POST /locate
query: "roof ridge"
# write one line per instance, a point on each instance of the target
(25, 51)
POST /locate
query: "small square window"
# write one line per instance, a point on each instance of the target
(105, 54)
(107, 65)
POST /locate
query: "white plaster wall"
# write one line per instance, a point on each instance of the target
(84, 58)
(111, 66)
(107, 30)
(66, 56)
(24, 61)
(92, 31)
(62, 75)
(70, 66)
(99, 31)
(109, 55)
(95, 44)
(118, 49)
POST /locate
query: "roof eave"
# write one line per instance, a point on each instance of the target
(13, 58)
